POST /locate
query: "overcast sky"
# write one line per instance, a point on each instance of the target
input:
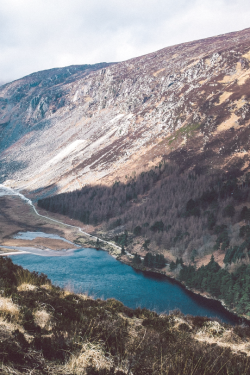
(42, 34)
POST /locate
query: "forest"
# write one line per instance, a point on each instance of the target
(189, 213)
(233, 288)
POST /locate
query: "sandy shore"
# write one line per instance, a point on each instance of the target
(36, 251)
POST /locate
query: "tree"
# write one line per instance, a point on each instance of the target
(190, 205)
(228, 211)
(137, 230)
(245, 214)
(137, 259)
(192, 208)
(193, 255)
(97, 244)
(172, 266)
(160, 261)
(157, 226)
(123, 252)
(211, 221)
(148, 261)
(146, 243)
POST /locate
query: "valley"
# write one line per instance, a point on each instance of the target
(149, 160)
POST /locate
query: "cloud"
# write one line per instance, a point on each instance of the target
(41, 34)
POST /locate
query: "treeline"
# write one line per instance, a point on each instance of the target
(233, 288)
(150, 260)
(242, 251)
(182, 211)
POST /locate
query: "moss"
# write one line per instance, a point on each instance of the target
(185, 131)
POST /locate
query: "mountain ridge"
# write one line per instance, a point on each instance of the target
(174, 103)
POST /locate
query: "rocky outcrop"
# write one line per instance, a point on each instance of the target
(64, 128)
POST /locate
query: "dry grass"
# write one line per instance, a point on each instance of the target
(8, 307)
(9, 327)
(46, 286)
(26, 287)
(27, 279)
(229, 123)
(53, 331)
(43, 319)
(214, 333)
(91, 355)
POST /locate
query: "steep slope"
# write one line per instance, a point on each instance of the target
(47, 330)
(187, 102)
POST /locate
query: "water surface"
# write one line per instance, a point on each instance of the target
(102, 276)
(32, 235)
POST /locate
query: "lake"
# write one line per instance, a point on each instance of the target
(102, 276)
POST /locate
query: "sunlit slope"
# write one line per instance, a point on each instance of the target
(189, 103)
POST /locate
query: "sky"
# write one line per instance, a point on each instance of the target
(43, 34)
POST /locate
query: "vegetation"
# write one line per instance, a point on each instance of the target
(173, 265)
(46, 330)
(186, 131)
(187, 213)
(170, 208)
(154, 260)
(233, 288)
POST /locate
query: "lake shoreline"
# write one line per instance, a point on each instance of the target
(156, 273)
(221, 314)
(216, 302)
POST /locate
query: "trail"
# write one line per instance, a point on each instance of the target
(8, 191)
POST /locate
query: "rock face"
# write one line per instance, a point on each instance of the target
(64, 128)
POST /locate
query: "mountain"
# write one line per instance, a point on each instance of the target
(189, 103)
(152, 153)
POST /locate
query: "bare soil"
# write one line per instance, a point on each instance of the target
(16, 216)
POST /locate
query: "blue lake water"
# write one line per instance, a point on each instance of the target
(102, 276)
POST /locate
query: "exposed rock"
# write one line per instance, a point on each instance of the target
(64, 128)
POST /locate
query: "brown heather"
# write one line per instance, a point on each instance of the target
(46, 330)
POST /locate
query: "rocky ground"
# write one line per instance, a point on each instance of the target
(63, 129)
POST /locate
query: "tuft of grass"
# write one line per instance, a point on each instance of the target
(26, 287)
(43, 319)
(9, 309)
(92, 355)
(24, 276)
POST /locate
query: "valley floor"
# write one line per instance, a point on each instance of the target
(16, 216)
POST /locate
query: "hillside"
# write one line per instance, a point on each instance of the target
(47, 330)
(181, 216)
(151, 153)
(189, 103)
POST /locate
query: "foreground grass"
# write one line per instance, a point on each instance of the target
(46, 330)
